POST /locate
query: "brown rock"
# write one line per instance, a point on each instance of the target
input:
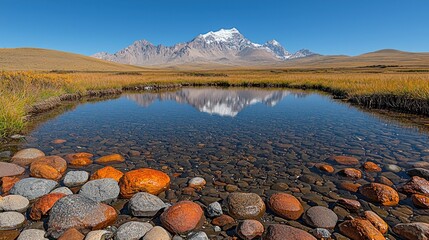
(325, 167)
(107, 172)
(360, 229)
(371, 167)
(346, 160)
(79, 159)
(10, 169)
(351, 173)
(8, 182)
(420, 200)
(377, 221)
(224, 221)
(59, 141)
(51, 167)
(44, 204)
(113, 158)
(27, 156)
(380, 193)
(384, 180)
(286, 206)
(182, 217)
(9, 235)
(416, 185)
(72, 234)
(412, 231)
(143, 180)
(250, 229)
(350, 204)
(245, 205)
(349, 186)
(283, 232)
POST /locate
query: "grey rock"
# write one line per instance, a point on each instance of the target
(99, 235)
(64, 190)
(15, 203)
(75, 178)
(101, 190)
(132, 230)
(321, 217)
(198, 236)
(177, 237)
(157, 233)
(5, 154)
(393, 168)
(11, 220)
(420, 172)
(144, 204)
(214, 209)
(321, 233)
(33, 188)
(32, 234)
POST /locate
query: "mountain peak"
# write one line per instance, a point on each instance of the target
(273, 42)
(222, 35)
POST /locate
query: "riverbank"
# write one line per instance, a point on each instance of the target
(24, 93)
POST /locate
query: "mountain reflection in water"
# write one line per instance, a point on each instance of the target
(216, 101)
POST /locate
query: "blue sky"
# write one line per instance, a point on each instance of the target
(323, 26)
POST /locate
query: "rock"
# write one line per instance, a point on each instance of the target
(51, 167)
(360, 229)
(10, 169)
(419, 200)
(349, 186)
(286, 206)
(33, 188)
(182, 217)
(198, 236)
(214, 209)
(132, 230)
(32, 234)
(351, 173)
(321, 233)
(224, 221)
(77, 211)
(5, 154)
(79, 159)
(416, 185)
(26, 156)
(72, 234)
(321, 217)
(350, 204)
(64, 190)
(419, 172)
(157, 233)
(143, 180)
(7, 183)
(144, 204)
(371, 167)
(113, 158)
(412, 231)
(101, 190)
(231, 188)
(377, 221)
(280, 186)
(245, 206)
(384, 180)
(250, 229)
(380, 193)
(197, 182)
(107, 172)
(16, 203)
(282, 232)
(325, 168)
(75, 178)
(346, 160)
(9, 235)
(393, 168)
(99, 235)
(44, 204)
(59, 141)
(11, 220)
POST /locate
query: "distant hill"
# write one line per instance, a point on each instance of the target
(48, 60)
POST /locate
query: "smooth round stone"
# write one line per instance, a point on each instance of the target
(10, 169)
(197, 182)
(214, 209)
(145, 205)
(101, 190)
(321, 217)
(393, 168)
(64, 190)
(198, 236)
(33, 188)
(321, 233)
(15, 203)
(75, 178)
(245, 205)
(32, 234)
(286, 206)
(282, 232)
(26, 156)
(132, 230)
(98, 235)
(250, 229)
(182, 217)
(157, 233)
(11, 220)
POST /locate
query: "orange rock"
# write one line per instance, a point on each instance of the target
(325, 167)
(360, 229)
(349, 186)
(59, 141)
(182, 217)
(44, 204)
(346, 160)
(113, 158)
(51, 167)
(351, 173)
(416, 185)
(420, 200)
(377, 221)
(143, 180)
(384, 180)
(79, 159)
(7, 183)
(285, 232)
(224, 221)
(286, 206)
(107, 172)
(371, 167)
(350, 203)
(188, 191)
(72, 234)
(380, 193)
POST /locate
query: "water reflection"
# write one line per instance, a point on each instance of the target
(222, 102)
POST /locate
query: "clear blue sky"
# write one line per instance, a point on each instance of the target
(324, 26)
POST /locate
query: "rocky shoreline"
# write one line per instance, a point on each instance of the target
(78, 196)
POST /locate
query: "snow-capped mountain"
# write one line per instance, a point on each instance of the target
(226, 46)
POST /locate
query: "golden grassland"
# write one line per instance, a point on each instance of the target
(19, 90)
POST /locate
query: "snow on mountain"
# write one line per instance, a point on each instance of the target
(225, 45)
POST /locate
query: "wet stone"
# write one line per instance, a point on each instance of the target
(412, 231)
(64, 190)
(245, 205)
(132, 230)
(10, 169)
(27, 156)
(157, 233)
(321, 233)
(420, 172)
(11, 220)
(32, 234)
(72, 234)
(250, 229)
(101, 190)
(145, 205)
(198, 236)
(214, 209)
(15, 203)
(75, 178)
(33, 188)
(320, 217)
(99, 235)
(278, 232)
